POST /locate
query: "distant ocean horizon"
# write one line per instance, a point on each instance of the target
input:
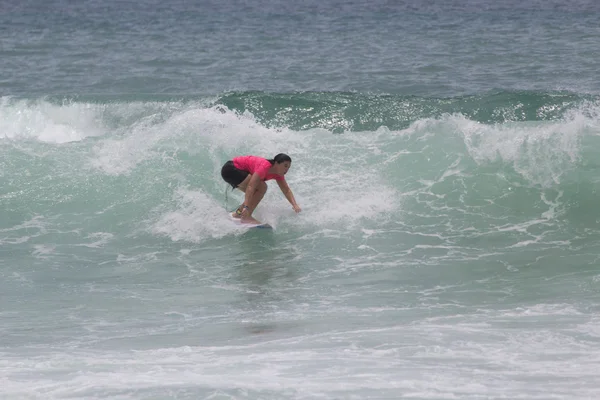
(444, 155)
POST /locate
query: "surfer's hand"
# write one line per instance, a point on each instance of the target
(296, 208)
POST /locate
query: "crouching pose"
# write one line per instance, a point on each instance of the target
(249, 173)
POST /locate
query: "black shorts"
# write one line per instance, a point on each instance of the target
(232, 175)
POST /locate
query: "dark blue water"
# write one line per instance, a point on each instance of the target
(433, 49)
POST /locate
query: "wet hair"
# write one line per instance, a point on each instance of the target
(280, 158)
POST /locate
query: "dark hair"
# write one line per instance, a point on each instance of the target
(280, 158)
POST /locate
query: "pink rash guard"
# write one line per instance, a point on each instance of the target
(256, 165)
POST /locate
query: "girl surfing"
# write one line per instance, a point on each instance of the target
(249, 173)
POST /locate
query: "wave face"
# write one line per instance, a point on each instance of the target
(486, 152)
(518, 166)
(461, 224)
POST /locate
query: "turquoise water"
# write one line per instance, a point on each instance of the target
(445, 157)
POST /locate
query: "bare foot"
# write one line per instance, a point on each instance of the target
(236, 215)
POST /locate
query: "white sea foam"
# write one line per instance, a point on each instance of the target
(452, 358)
(193, 217)
(542, 152)
(333, 177)
(47, 122)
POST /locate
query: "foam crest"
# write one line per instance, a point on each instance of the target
(542, 152)
(47, 122)
(119, 155)
(216, 133)
(230, 132)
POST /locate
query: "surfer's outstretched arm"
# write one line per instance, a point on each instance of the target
(287, 192)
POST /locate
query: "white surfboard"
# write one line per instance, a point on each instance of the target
(239, 223)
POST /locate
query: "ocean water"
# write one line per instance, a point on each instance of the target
(445, 155)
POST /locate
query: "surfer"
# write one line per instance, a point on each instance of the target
(249, 173)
